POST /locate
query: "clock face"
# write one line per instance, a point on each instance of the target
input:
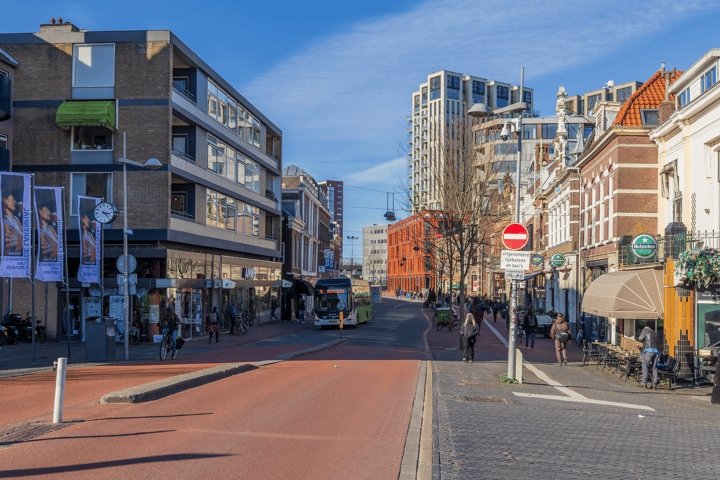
(105, 212)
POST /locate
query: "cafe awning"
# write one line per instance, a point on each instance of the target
(302, 287)
(631, 294)
(86, 112)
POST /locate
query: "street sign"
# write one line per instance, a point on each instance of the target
(511, 260)
(132, 279)
(120, 263)
(515, 236)
(514, 274)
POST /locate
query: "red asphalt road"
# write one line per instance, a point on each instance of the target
(340, 413)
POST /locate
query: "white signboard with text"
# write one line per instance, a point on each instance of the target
(514, 260)
(514, 274)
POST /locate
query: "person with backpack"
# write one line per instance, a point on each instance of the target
(560, 332)
(214, 323)
(529, 325)
(469, 331)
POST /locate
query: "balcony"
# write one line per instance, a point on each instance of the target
(5, 100)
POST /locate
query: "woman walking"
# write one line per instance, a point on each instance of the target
(469, 332)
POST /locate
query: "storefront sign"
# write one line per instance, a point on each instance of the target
(537, 260)
(557, 260)
(644, 246)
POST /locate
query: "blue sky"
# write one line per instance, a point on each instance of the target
(337, 77)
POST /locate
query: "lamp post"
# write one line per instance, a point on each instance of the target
(352, 239)
(515, 125)
(152, 164)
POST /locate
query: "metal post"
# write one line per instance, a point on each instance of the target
(32, 263)
(68, 327)
(126, 296)
(514, 287)
(59, 390)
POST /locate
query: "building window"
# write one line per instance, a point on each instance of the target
(435, 90)
(529, 132)
(623, 94)
(683, 98)
(502, 96)
(90, 185)
(178, 203)
(527, 97)
(650, 117)
(94, 65)
(592, 101)
(179, 144)
(677, 207)
(707, 80)
(549, 130)
(221, 211)
(92, 138)
(227, 111)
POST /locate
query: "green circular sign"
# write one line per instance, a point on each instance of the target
(537, 260)
(644, 246)
(557, 260)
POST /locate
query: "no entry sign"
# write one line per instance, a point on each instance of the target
(515, 236)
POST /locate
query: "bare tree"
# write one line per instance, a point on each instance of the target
(472, 193)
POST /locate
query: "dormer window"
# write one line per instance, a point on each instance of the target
(707, 80)
(683, 98)
(650, 117)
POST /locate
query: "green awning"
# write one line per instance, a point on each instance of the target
(86, 112)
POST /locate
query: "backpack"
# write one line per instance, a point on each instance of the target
(532, 321)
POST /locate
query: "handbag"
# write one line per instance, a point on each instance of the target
(562, 337)
(179, 342)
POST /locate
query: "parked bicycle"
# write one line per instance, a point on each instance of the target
(244, 321)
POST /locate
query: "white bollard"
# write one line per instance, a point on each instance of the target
(59, 390)
(518, 365)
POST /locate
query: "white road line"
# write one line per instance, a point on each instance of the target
(572, 396)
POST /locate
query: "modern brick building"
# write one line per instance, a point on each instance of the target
(206, 226)
(410, 260)
(7, 76)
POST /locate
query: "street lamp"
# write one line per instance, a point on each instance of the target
(514, 125)
(152, 164)
(352, 239)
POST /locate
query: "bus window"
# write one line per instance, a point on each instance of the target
(326, 300)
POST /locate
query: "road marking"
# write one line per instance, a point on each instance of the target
(572, 396)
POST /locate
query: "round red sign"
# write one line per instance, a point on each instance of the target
(515, 236)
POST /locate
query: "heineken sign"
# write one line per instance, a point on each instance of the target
(557, 260)
(537, 260)
(644, 246)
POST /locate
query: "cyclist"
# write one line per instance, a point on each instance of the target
(169, 323)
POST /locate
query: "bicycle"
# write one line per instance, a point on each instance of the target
(166, 346)
(242, 323)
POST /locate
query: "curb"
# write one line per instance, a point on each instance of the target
(168, 386)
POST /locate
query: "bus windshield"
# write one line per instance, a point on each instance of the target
(331, 299)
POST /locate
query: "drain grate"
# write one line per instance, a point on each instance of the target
(23, 433)
(499, 400)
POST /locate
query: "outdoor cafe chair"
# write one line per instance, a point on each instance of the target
(589, 351)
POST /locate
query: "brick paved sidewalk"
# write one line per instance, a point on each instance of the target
(591, 425)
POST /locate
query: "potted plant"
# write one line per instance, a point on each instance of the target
(83, 145)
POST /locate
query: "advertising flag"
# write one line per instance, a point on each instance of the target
(90, 254)
(16, 225)
(48, 212)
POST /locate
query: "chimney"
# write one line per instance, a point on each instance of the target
(666, 106)
(60, 27)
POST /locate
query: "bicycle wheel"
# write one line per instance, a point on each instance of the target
(134, 336)
(164, 347)
(41, 336)
(242, 327)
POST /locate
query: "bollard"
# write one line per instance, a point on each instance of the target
(518, 365)
(59, 390)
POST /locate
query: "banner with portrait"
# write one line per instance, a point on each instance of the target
(16, 225)
(48, 212)
(89, 270)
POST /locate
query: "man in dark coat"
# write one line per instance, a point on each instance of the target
(650, 356)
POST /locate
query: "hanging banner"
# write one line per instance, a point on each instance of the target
(48, 212)
(16, 225)
(89, 271)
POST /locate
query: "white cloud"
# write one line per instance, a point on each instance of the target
(388, 173)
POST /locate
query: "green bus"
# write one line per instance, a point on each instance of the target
(341, 294)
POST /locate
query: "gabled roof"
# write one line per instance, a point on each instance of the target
(649, 96)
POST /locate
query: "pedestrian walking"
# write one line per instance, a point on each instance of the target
(301, 310)
(469, 331)
(560, 332)
(214, 323)
(651, 354)
(529, 325)
(478, 311)
(273, 307)
(231, 314)
(494, 308)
